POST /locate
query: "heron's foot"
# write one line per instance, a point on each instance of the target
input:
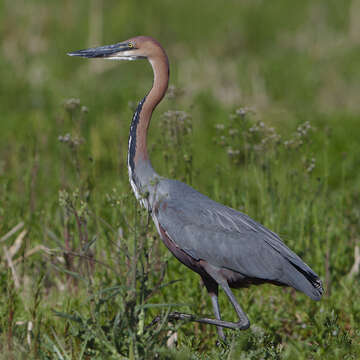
(243, 325)
(181, 316)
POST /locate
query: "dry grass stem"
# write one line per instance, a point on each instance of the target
(17, 244)
(356, 267)
(12, 231)
(12, 267)
(33, 251)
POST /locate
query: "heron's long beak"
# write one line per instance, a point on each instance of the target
(119, 51)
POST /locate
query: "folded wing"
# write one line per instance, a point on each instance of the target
(227, 238)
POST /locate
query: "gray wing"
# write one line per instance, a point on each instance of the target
(227, 238)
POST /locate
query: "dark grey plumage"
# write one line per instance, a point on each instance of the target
(229, 239)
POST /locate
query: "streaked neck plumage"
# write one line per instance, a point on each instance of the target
(141, 173)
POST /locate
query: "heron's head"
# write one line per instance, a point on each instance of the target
(140, 47)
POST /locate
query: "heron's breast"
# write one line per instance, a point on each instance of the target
(180, 254)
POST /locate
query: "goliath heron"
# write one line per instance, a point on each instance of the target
(224, 246)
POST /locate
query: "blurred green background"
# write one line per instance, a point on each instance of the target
(285, 63)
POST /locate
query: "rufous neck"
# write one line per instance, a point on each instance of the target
(160, 66)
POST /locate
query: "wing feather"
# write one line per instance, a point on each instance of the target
(225, 237)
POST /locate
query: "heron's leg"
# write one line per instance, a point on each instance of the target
(243, 322)
(215, 304)
(218, 277)
(211, 282)
(213, 290)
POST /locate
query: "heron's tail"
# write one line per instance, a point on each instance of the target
(304, 279)
(295, 272)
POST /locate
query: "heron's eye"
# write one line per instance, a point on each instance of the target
(131, 45)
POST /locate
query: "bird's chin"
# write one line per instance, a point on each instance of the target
(128, 58)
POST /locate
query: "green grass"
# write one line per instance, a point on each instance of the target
(84, 273)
